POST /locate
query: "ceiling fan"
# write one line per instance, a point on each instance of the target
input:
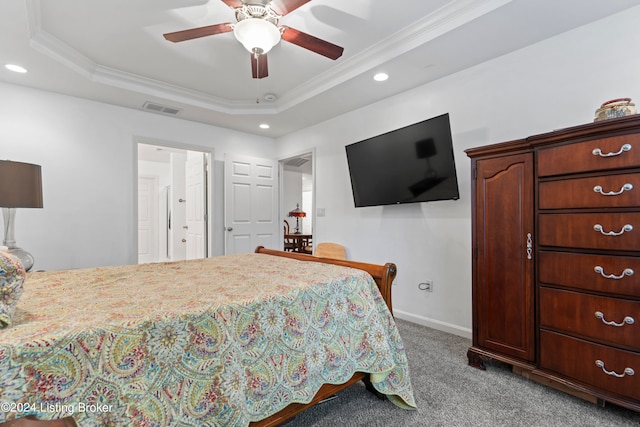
(258, 30)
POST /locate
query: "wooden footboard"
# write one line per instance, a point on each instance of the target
(383, 276)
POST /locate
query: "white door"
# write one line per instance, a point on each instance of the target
(178, 207)
(196, 205)
(251, 204)
(147, 219)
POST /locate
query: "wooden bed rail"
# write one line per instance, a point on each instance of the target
(382, 274)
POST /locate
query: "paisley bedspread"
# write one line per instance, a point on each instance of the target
(215, 342)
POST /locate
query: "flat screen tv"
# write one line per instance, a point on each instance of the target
(408, 165)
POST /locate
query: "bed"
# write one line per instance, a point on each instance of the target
(237, 340)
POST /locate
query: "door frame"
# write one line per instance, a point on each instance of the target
(138, 139)
(197, 229)
(282, 208)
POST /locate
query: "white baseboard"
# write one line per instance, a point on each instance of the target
(432, 323)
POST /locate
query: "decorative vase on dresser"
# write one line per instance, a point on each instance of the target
(556, 258)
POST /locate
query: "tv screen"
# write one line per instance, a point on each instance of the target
(408, 165)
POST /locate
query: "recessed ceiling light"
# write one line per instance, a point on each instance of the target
(264, 126)
(380, 77)
(16, 68)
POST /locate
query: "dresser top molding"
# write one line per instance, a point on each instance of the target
(592, 130)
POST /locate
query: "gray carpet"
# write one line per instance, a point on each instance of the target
(451, 393)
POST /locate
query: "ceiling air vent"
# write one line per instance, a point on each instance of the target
(158, 108)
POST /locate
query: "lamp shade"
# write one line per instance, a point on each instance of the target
(297, 212)
(257, 35)
(20, 185)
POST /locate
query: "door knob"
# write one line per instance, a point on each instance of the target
(184, 240)
(229, 228)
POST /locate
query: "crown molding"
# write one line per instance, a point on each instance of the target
(453, 15)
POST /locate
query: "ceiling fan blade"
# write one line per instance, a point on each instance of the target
(194, 33)
(233, 3)
(312, 43)
(282, 7)
(259, 67)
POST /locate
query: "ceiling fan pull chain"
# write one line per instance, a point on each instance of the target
(256, 56)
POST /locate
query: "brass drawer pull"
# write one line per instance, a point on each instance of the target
(627, 371)
(598, 152)
(626, 272)
(626, 187)
(628, 320)
(627, 228)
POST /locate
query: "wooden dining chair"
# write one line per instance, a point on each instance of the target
(330, 250)
(307, 245)
(289, 244)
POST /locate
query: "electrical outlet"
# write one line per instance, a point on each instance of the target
(426, 286)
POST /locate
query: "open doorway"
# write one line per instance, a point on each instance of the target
(173, 203)
(297, 202)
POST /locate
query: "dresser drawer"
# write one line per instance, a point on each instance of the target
(610, 320)
(592, 364)
(598, 154)
(593, 192)
(612, 274)
(619, 231)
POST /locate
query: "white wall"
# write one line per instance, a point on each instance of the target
(306, 223)
(554, 84)
(88, 155)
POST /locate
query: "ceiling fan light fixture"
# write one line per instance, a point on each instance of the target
(257, 35)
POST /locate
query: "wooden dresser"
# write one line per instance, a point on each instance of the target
(556, 258)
